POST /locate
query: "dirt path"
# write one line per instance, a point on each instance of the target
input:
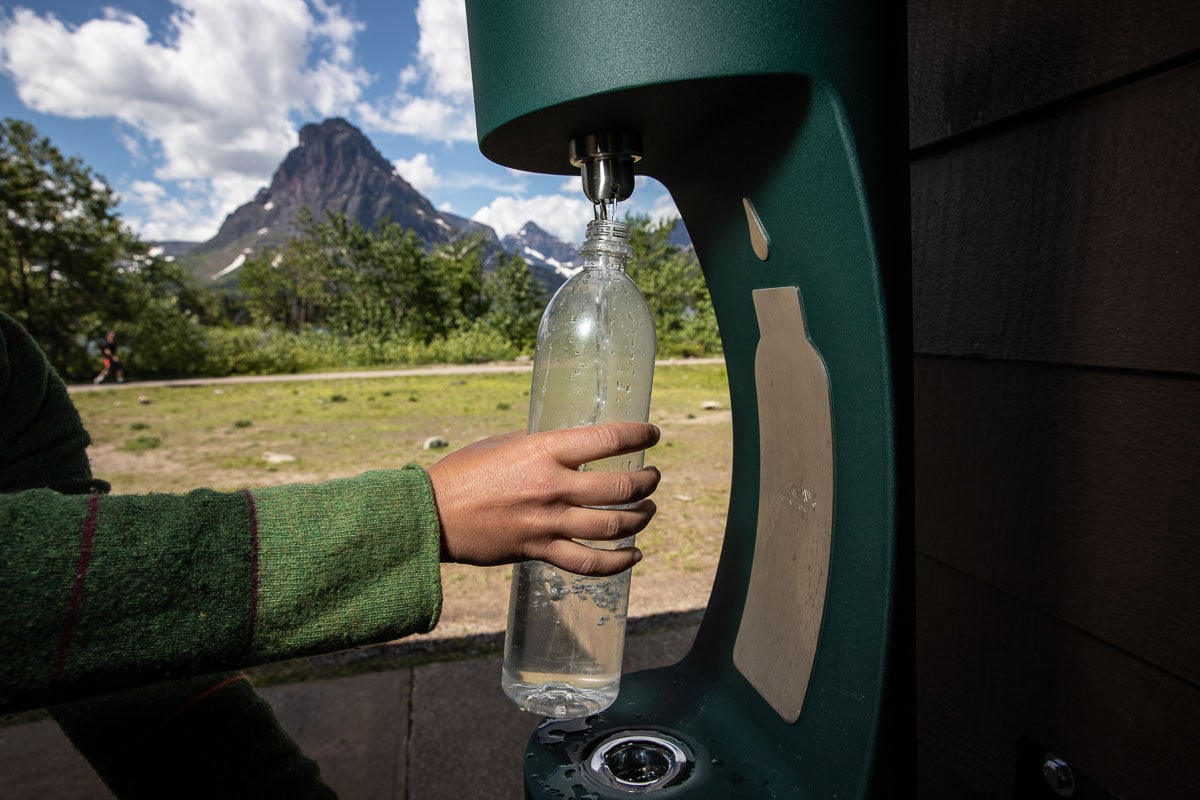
(435, 369)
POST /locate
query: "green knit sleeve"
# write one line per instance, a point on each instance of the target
(345, 562)
(107, 591)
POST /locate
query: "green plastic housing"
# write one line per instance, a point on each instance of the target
(800, 107)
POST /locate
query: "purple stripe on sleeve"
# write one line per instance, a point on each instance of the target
(253, 613)
(209, 692)
(75, 604)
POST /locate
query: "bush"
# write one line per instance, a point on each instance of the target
(474, 345)
(163, 342)
(253, 351)
(265, 351)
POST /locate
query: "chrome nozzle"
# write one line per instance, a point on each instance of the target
(605, 162)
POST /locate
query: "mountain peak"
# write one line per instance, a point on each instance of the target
(336, 168)
(327, 129)
(334, 150)
(543, 250)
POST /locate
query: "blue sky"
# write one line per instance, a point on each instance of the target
(186, 107)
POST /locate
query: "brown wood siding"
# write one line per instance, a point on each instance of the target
(975, 63)
(1051, 241)
(1068, 489)
(992, 669)
(1056, 332)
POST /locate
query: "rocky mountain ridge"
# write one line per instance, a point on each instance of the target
(537, 246)
(336, 168)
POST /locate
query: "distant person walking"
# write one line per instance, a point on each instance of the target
(111, 362)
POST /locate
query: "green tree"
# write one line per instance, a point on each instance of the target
(163, 278)
(355, 282)
(675, 289)
(385, 284)
(458, 267)
(63, 248)
(70, 270)
(515, 301)
(287, 287)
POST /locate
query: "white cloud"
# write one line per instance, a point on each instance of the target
(564, 217)
(144, 192)
(661, 206)
(433, 95)
(443, 47)
(649, 198)
(496, 182)
(210, 99)
(189, 210)
(409, 76)
(419, 171)
(423, 117)
(158, 216)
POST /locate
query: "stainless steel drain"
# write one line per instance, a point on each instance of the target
(639, 762)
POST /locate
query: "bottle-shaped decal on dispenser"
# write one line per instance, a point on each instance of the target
(594, 363)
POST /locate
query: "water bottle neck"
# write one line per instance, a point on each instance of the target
(606, 245)
(604, 262)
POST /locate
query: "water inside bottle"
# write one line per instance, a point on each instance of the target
(594, 363)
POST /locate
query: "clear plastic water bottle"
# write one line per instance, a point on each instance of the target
(594, 363)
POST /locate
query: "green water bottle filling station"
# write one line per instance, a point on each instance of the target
(779, 128)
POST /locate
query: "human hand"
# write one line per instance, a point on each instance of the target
(522, 497)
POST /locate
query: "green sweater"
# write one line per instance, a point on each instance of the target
(107, 592)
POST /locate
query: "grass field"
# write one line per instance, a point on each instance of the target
(229, 436)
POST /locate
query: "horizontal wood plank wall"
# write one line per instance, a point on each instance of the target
(972, 64)
(1118, 720)
(1051, 241)
(1070, 490)
(1056, 305)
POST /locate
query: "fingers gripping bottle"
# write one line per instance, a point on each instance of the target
(594, 363)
